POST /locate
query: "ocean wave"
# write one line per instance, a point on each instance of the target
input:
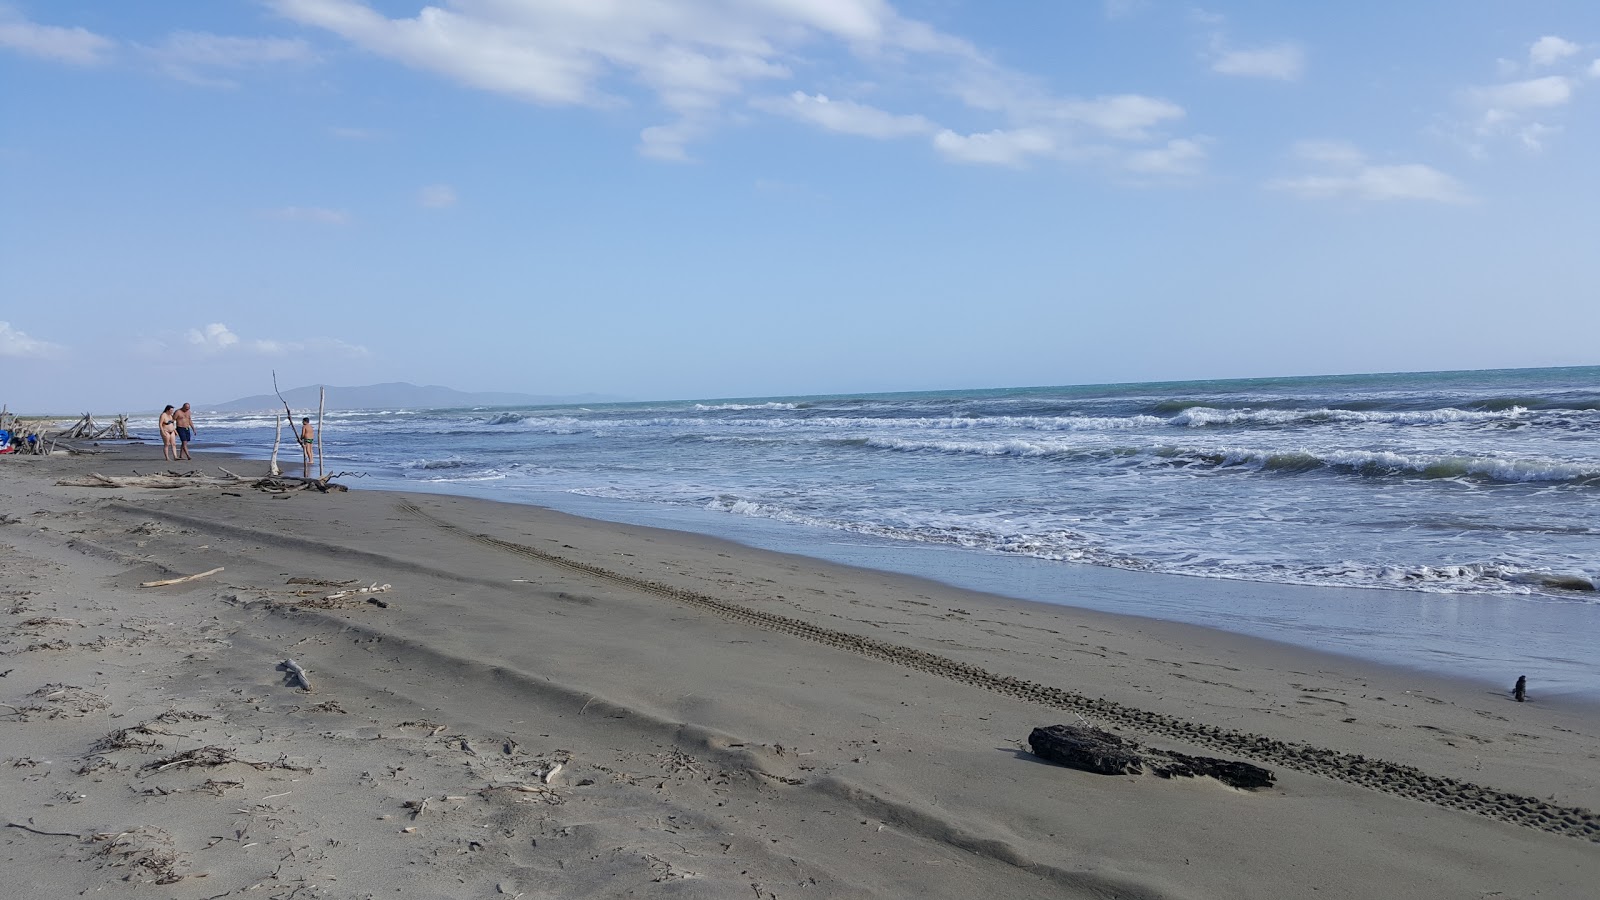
(1206, 416)
(452, 462)
(741, 407)
(505, 419)
(1065, 545)
(1382, 463)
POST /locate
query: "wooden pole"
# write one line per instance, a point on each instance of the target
(322, 400)
(277, 438)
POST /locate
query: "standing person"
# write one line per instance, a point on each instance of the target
(184, 419)
(308, 438)
(169, 434)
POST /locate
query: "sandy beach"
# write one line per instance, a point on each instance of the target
(529, 704)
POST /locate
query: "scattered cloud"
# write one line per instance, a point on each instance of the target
(1550, 49)
(1531, 93)
(699, 64)
(1345, 172)
(193, 56)
(1523, 107)
(845, 116)
(437, 196)
(74, 46)
(996, 148)
(312, 214)
(1283, 62)
(1180, 157)
(14, 342)
(1340, 154)
(212, 338)
(216, 338)
(1280, 61)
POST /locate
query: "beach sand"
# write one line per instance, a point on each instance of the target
(550, 706)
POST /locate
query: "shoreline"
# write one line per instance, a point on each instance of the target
(532, 636)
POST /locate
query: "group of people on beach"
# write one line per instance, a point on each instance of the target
(177, 430)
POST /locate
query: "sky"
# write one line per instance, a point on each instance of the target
(685, 199)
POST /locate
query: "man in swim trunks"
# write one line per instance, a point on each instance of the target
(185, 422)
(169, 434)
(308, 438)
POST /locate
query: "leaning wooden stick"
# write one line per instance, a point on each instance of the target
(167, 581)
(299, 673)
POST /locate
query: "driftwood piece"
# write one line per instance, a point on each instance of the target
(1091, 749)
(281, 483)
(297, 672)
(1087, 749)
(166, 581)
(170, 480)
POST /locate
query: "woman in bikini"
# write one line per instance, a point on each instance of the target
(169, 434)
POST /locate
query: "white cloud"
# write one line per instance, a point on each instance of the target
(15, 343)
(212, 338)
(1532, 93)
(217, 338)
(995, 148)
(312, 214)
(1594, 69)
(1181, 156)
(1344, 171)
(1550, 49)
(1339, 154)
(845, 116)
(1128, 116)
(1284, 62)
(437, 196)
(189, 55)
(699, 62)
(1364, 181)
(75, 46)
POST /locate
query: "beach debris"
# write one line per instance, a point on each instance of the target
(1520, 692)
(164, 481)
(554, 771)
(211, 756)
(166, 581)
(1091, 749)
(373, 588)
(148, 851)
(297, 673)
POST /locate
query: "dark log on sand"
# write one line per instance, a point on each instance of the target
(1093, 750)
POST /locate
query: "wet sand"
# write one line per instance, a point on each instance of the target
(726, 721)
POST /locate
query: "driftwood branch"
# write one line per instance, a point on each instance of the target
(1090, 749)
(166, 581)
(297, 672)
(33, 830)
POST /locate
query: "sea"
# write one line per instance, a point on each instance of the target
(1443, 521)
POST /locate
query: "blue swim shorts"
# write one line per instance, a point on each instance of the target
(185, 434)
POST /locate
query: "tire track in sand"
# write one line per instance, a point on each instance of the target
(1376, 774)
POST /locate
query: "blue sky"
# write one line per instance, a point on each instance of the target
(708, 198)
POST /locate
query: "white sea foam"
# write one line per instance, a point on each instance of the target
(1203, 416)
(739, 407)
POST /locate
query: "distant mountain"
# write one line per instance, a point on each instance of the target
(396, 395)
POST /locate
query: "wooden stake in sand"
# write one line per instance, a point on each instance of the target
(322, 401)
(166, 581)
(277, 439)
